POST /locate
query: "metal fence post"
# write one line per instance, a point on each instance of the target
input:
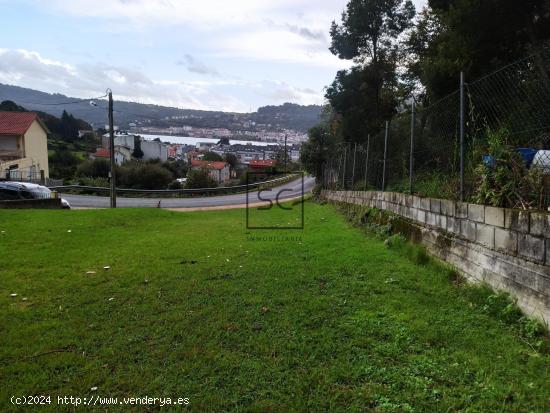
(385, 156)
(461, 136)
(367, 162)
(353, 172)
(339, 171)
(411, 160)
(344, 169)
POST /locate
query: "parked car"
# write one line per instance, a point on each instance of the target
(10, 191)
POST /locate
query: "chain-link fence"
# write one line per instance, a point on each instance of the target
(488, 142)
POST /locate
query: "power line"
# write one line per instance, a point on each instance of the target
(84, 100)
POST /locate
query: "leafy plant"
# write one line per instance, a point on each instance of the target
(503, 179)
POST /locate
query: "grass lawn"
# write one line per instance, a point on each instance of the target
(192, 307)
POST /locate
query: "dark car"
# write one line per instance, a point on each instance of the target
(10, 191)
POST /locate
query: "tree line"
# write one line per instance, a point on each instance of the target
(400, 53)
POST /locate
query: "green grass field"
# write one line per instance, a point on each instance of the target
(194, 305)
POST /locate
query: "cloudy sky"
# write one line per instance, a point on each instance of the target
(208, 54)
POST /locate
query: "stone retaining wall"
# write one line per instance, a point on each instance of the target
(508, 249)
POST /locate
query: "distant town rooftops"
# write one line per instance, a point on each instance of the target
(262, 163)
(208, 164)
(102, 153)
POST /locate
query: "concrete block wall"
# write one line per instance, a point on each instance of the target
(508, 249)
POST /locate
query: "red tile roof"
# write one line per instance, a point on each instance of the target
(208, 164)
(17, 123)
(262, 163)
(102, 153)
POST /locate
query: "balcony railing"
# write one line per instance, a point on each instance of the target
(8, 155)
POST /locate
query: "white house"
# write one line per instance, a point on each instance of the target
(154, 150)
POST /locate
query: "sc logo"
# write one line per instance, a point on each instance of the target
(274, 213)
(277, 199)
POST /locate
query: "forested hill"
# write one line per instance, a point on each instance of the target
(287, 116)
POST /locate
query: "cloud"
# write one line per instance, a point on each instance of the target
(317, 35)
(299, 28)
(196, 66)
(30, 69)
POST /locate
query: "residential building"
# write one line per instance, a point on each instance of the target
(261, 165)
(205, 146)
(154, 150)
(247, 153)
(120, 139)
(122, 154)
(23, 146)
(219, 171)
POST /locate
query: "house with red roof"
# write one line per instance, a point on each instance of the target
(122, 154)
(260, 165)
(23, 146)
(219, 171)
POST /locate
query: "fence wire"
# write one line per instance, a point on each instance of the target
(506, 143)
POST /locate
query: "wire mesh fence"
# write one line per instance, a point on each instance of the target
(501, 158)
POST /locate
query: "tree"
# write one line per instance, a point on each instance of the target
(474, 36)
(212, 157)
(97, 168)
(224, 141)
(200, 178)
(316, 152)
(363, 98)
(141, 175)
(231, 159)
(369, 34)
(370, 29)
(178, 168)
(10, 106)
(69, 126)
(63, 164)
(137, 152)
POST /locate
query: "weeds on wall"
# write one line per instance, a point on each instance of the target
(503, 178)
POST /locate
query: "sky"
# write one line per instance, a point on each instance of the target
(208, 54)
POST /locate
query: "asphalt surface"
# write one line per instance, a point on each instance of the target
(291, 189)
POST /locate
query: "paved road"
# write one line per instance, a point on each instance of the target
(290, 190)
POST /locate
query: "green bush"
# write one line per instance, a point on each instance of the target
(97, 168)
(200, 178)
(139, 175)
(505, 181)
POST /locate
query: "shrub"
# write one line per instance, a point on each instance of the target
(175, 185)
(140, 175)
(97, 168)
(504, 180)
(200, 178)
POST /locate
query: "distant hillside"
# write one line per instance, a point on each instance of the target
(287, 116)
(65, 127)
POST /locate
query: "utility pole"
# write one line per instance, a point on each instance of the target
(367, 162)
(461, 136)
(353, 173)
(385, 156)
(411, 160)
(112, 151)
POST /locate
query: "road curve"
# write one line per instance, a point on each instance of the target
(291, 189)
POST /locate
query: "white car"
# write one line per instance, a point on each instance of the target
(24, 190)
